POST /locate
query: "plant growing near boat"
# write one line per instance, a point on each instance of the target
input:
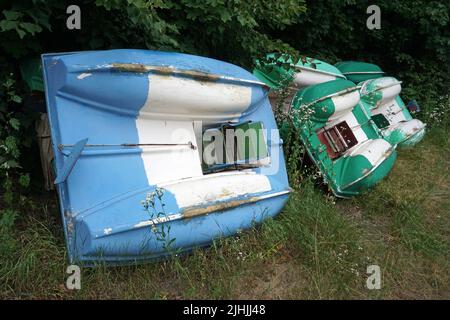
(293, 147)
(10, 140)
(155, 206)
(13, 179)
(436, 112)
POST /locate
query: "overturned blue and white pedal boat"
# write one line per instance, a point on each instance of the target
(128, 130)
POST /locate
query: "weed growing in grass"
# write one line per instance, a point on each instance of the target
(436, 111)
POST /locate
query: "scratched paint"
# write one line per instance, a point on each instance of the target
(84, 75)
(382, 97)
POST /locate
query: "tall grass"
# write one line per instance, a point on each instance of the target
(318, 247)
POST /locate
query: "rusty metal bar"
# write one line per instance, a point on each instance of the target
(189, 144)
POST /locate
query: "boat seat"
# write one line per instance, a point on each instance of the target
(337, 139)
(235, 146)
(341, 130)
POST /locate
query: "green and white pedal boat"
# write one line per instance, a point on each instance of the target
(382, 97)
(341, 138)
(334, 125)
(305, 72)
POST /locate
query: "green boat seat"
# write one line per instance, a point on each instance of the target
(357, 72)
(235, 145)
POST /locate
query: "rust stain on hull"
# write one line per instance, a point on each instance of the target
(194, 212)
(141, 68)
(194, 74)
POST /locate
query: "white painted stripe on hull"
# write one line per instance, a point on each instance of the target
(186, 98)
(408, 128)
(304, 68)
(390, 88)
(344, 104)
(217, 187)
(373, 150)
(171, 99)
(310, 77)
(391, 111)
(166, 164)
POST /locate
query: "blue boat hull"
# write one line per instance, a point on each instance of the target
(113, 117)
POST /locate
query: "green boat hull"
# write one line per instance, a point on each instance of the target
(304, 72)
(396, 124)
(361, 158)
(357, 72)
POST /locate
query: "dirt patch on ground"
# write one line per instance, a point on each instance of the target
(280, 281)
(352, 212)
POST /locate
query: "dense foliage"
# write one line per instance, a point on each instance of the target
(232, 30)
(413, 43)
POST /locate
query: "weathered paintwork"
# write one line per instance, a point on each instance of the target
(366, 159)
(340, 138)
(305, 72)
(142, 113)
(382, 97)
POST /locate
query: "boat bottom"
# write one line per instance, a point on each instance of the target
(144, 244)
(357, 174)
(369, 180)
(406, 133)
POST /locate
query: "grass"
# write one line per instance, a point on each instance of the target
(318, 248)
